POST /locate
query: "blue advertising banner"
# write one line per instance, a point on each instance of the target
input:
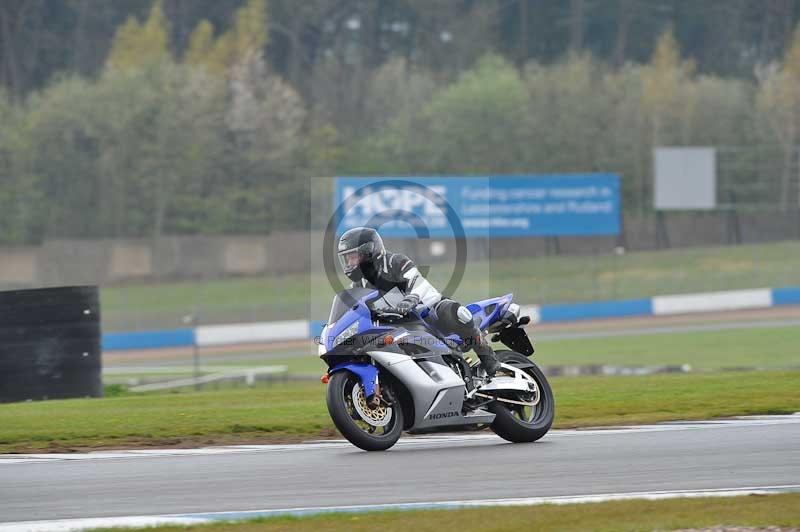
(443, 207)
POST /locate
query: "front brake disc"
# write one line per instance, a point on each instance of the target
(378, 416)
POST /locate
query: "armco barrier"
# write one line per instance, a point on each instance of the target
(265, 332)
(123, 341)
(712, 302)
(251, 333)
(786, 296)
(599, 309)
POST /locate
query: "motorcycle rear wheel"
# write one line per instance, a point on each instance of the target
(519, 424)
(353, 426)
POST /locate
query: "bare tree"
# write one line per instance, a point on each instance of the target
(576, 24)
(625, 9)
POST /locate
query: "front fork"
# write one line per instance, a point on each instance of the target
(368, 375)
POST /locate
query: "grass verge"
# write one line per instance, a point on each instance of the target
(754, 511)
(774, 348)
(295, 412)
(540, 280)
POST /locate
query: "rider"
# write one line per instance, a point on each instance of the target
(367, 263)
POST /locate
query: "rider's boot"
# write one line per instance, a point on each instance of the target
(487, 357)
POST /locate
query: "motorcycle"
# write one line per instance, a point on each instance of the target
(390, 372)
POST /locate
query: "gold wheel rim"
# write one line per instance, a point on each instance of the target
(378, 416)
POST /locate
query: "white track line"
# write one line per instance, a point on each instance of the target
(745, 421)
(75, 525)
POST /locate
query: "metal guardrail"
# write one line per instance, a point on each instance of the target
(266, 332)
(249, 375)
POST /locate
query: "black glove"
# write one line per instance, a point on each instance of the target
(407, 304)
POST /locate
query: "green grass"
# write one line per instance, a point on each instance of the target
(754, 511)
(539, 280)
(777, 347)
(295, 412)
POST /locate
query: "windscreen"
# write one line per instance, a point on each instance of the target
(345, 300)
(388, 300)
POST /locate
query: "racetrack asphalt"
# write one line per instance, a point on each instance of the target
(746, 452)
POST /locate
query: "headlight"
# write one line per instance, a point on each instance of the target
(345, 334)
(321, 345)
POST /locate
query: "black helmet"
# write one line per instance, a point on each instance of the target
(358, 246)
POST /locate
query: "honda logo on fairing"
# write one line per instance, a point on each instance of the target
(454, 413)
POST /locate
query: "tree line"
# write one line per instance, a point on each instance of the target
(201, 116)
(41, 38)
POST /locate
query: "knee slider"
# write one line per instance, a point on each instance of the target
(464, 315)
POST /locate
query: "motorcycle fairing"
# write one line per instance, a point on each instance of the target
(437, 392)
(371, 338)
(490, 310)
(359, 312)
(419, 335)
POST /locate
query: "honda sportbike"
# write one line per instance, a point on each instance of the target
(389, 373)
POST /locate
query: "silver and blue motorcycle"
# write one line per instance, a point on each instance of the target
(389, 373)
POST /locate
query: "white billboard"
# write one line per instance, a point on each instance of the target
(685, 178)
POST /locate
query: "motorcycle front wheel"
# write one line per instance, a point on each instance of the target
(523, 423)
(366, 427)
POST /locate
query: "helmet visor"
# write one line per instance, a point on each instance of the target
(350, 259)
